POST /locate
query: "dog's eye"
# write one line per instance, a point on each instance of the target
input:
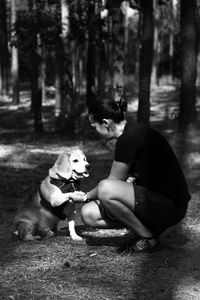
(75, 160)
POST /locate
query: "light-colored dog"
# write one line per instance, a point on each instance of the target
(55, 199)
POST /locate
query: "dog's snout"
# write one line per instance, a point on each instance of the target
(88, 167)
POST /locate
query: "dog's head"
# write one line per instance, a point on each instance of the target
(72, 165)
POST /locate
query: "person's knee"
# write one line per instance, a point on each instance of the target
(104, 190)
(87, 216)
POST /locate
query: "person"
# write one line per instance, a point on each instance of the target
(158, 196)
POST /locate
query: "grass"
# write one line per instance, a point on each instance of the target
(59, 268)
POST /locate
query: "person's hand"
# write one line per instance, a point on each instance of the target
(77, 196)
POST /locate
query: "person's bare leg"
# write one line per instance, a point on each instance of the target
(91, 216)
(119, 199)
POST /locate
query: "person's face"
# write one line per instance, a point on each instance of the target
(103, 128)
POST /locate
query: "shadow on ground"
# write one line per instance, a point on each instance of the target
(59, 268)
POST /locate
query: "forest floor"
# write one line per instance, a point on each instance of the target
(93, 269)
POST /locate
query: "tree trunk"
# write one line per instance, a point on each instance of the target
(171, 40)
(36, 91)
(118, 51)
(101, 72)
(188, 63)
(109, 49)
(14, 60)
(43, 73)
(80, 69)
(36, 79)
(156, 46)
(101, 61)
(198, 47)
(146, 54)
(4, 54)
(38, 126)
(74, 66)
(91, 51)
(126, 33)
(59, 57)
(63, 80)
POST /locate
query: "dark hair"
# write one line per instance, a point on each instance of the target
(107, 109)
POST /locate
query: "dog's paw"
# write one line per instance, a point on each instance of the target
(76, 237)
(31, 238)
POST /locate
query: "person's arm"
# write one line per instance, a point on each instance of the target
(119, 171)
(91, 195)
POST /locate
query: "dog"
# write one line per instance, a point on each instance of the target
(54, 200)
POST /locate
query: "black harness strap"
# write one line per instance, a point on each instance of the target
(65, 186)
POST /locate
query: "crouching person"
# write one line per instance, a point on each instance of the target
(155, 200)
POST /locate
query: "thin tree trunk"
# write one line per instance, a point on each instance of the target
(126, 36)
(146, 54)
(171, 40)
(59, 57)
(36, 78)
(91, 51)
(43, 66)
(101, 63)
(74, 65)
(188, 63)
(80, 69)
(118, 52)
(198, 46)
(101, 70)
(4, 54)
(63, 79)
(43, 73)
(154, 77)
(14, 60)
(110, 49)
(38, 82)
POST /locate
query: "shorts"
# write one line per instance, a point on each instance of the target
(156, 211)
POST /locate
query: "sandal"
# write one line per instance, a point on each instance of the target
(142, 244)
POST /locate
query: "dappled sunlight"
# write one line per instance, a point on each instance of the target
(195, 228)
(132, 105)
(190, 286)
(5, 151)
(188, 279)
(193, 159)
(93, 265)
(19, 165)
(164, 103)
(6, 103)
(52, 151)
(166, 88)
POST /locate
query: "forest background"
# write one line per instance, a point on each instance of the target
(75, 50)
(55, 56)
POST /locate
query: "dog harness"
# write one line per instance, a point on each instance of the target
(66, 186)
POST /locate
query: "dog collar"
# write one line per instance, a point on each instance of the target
(66, 186)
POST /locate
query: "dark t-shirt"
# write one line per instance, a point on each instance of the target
(153, 162)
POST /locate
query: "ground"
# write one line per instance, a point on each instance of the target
(59, 268)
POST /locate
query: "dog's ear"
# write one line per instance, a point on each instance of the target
(62, 167)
